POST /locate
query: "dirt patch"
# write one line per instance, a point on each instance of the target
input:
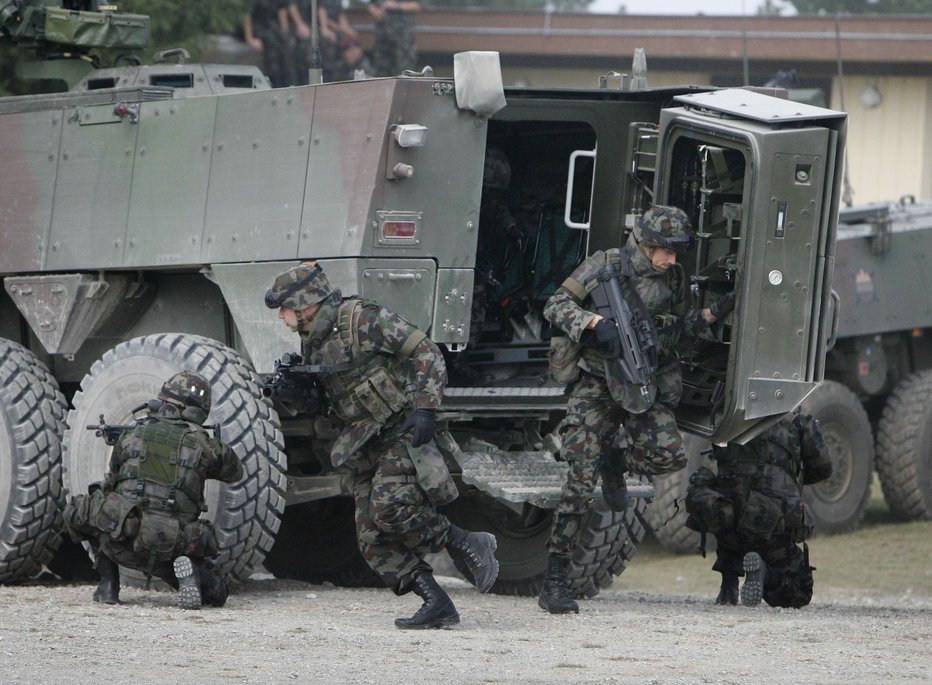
(280, 631)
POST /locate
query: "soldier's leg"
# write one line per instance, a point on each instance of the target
(588, 420)
(789, 579)
(657, 444)
(729, 555)
(108, 589)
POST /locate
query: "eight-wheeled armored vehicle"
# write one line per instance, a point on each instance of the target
(144, 213)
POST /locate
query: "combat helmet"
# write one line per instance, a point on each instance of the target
(299, 287)
(666, 227)
(187, 389)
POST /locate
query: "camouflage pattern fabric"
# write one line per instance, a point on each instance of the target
(146, 513)
(396, 525)
(386, 377)
(593, 421)
(395, 47)
(761, 483)
(277, 55)
(666, 227)
(299, 287)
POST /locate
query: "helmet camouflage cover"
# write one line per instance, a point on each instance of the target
(188, 389)
(666, 227)
(299, 287)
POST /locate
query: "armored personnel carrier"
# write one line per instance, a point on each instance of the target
(142, 219)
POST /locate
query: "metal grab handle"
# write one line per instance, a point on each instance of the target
(402, 277)
(569, 189)
(833, 328)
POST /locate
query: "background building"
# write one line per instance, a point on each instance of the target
(877, 68)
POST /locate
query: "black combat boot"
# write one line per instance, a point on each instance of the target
(108, 589)
(214, 589)
(189, 583)
(728, 594)
(555, 594)
(614, 487)
(477, 551)
(436, 612)
(755, 575)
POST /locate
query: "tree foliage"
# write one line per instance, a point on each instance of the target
(862, 6)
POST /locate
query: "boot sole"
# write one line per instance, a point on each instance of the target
(753, 589)
(444, 622)
(189, 594)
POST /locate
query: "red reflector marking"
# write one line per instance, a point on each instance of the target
(399, 229)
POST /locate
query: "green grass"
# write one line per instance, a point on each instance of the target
(884, 557)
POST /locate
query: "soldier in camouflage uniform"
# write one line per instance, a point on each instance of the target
(145, 515)
(612, 426)
(383, 378)
(755, 509)
(395, 47)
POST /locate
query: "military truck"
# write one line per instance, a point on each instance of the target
(142, 218)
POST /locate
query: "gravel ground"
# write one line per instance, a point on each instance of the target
(278, 631)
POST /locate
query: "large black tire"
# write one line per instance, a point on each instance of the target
(32, 420)
(667, 513)
(839, 502)
(904, 448)
(246, 514)
(317, 543)
(608, 541)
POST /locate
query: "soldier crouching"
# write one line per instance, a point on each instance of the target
(383, 379)
(145, 515)
(753, 506)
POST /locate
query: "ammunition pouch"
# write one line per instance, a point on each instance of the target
(563, 359)
(88, 517)
(709, 510)
(798, 519)
(159, 538)
(760, 514)
(433, 476)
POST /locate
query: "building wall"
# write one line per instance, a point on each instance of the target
(889, 148)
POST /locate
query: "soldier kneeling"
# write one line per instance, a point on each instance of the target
(753, 506)
(145, 515)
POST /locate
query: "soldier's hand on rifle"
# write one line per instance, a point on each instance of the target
(421, 425)
(607, 336)
(723, 306)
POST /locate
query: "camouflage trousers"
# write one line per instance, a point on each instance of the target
(396, 525)
(651, 441)
(395, 48)
(789, 579)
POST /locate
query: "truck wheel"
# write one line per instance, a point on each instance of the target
(904, 448)
(246, 514)
(317, 543)
(839, 502)
(32, 420)
(606, 544)
(667, 513)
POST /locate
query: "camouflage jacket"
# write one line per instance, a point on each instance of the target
(663, 294)
(381, 368)
(163, 463)
(794, 446)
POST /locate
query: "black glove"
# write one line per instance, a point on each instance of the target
(723, 306)
(421, 425)
(607, 336)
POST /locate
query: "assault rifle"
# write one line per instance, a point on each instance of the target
(295, 384)
(638, 360)
(112, 432)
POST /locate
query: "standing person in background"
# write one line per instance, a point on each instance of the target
(266, 29)
(395, 47)
(334, 28)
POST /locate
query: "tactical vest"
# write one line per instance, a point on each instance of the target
(363, 386)
(649, 298)
(160, 468)
(779, 447)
